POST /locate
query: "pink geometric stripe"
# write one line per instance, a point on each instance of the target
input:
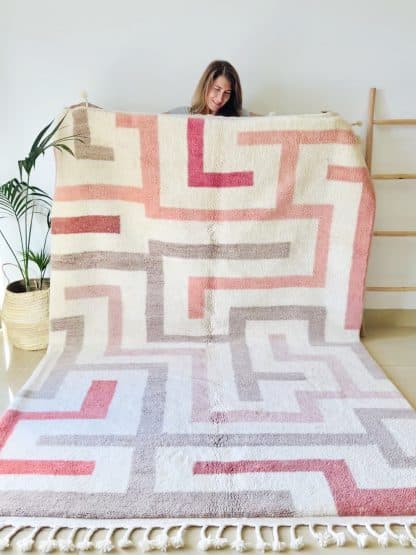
(198, 285)
(362, 238)
(338, 136)
(345, 383)
(98, 192)
(349, 499)
(94, 406)
(196, 175)
(86, 224)
(147, 127)
(114, 337)
(290, 141)
(352, 174)
(52, 467)
(308, 412)
(308, 401)
(115, 308)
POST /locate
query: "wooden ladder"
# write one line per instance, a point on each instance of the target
(368, 158)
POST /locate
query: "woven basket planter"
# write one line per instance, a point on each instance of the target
(26, 316)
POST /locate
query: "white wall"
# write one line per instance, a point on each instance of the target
(293, 56)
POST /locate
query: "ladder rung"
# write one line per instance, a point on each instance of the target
(391, 289)
(394, 176)
(394, 233)
(395, 121)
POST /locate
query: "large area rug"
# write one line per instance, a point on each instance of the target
(204, 364)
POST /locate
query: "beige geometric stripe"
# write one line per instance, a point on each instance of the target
(239, 251)
(99, 259)
(83, 147)
(134, 261)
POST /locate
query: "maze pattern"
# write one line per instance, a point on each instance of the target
(207, 292)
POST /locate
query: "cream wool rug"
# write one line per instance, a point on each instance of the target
(204, 365)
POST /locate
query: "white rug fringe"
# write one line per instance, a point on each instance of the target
(156, 537)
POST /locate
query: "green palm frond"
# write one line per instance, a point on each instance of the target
(14, 199)
(41, 259)
(38, 147)
(22, 201)
(44, 141)
(18, 198)
(40, 196)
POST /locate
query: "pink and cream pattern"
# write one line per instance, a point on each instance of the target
(204, 360)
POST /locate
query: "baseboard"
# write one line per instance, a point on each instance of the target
(389, 317)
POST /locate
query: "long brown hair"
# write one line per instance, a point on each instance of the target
(234, 104)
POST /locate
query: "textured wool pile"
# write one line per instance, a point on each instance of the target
(204, 360)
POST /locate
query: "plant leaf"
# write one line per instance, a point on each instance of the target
(17, 198)
(39, 136)
(41, 259)
(64, 147)
(52, 133)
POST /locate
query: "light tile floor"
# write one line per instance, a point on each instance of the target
(393, 348)
(395, 351)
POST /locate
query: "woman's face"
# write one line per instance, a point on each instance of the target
(219, 94)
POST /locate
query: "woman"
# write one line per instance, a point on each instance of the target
(218, 93)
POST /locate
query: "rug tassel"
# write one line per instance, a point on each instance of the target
(5, 542)
(261, 545)
(177, 541)
(26, 544)
(340, 538)
(145, 543)
(219, 541)
(125, 542)
(67, 545)
(383, 539)
(323, 539)
(86, 544)
(239, 544)
(106, 545)
(50, 544)
(296, 543)
(205, 542)
(360, 538)
(277, 545)
(400, 538)
(411, 536)
(161, 542)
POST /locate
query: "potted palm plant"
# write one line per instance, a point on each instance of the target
(25, 310)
